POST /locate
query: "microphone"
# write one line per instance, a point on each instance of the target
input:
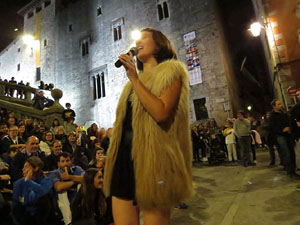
(133, 50)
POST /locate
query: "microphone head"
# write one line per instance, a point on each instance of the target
(134, 50)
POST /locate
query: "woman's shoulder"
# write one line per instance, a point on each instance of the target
(170, 69)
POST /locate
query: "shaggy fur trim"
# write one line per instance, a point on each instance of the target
(161, 152)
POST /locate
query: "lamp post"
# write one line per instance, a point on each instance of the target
(255, 29)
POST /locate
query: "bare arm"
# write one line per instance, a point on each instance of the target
(160, 108)
(61, 186)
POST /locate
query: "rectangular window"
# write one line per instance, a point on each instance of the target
(99, 86)
(117, 29)
(200, 109)
(162, 10)
(84, 43)
(99, 11)
(29, 15)
(38, 74)
(70, 27)
(47, 3)
(85, 48)
(45, 42)
(38, 9)
(94, 88)
(19, 67)
(19, 49)
(117, 33)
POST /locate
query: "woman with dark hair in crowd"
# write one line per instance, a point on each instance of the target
(47, 142)
(29, 128)
(22, 130)
(92, 133)
(98, 160)
(55, 125)
(149, 159)
(90, 205)
(79, 155)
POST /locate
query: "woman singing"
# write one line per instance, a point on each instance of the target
(149, 160)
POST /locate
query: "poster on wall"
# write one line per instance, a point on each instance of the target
(192, 58)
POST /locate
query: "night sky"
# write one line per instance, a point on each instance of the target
(9, 20)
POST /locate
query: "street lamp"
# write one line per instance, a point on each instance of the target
(255, 29)
(135, 35)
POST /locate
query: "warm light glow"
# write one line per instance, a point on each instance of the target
(255, 29)
(16, 29)
(135, 35)
(249, 107)
(28, 39)
(36, 44)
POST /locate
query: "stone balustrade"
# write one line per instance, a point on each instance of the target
(21, 103)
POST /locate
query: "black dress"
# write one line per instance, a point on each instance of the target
(123, 181)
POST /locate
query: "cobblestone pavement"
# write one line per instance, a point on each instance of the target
(235, 195)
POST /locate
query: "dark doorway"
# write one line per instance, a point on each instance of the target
(200, 109)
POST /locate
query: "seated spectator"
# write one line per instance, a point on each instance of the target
(65, 179)
(52, 159)
(47, 141)
(92, 134)
(21, 122)
(90, 205)
(79, 155)
(39, 101)
(3, 115)
(11, 139)
(31, 149)
(98, 160)
(31, 203)
(3, 130)
(82, 136)
(9, 156)
(4, 203)
(39, 131)
(29, 128)
(61, 135)
(68, 113)
(70, 144)
(106, 140)
(70, 126)
(11, 122)
(22, 130)
(55, 125)
(91, 150)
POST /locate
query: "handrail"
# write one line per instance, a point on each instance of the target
(23, 107)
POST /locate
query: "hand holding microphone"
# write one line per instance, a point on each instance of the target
(133, 51)
(125, 60)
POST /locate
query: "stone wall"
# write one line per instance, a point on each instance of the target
(62, 61)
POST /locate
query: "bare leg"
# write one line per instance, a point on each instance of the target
(156, 217)
(124, 212)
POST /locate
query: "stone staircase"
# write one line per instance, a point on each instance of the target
(21, 105)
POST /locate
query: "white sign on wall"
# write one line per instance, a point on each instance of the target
(192, 58)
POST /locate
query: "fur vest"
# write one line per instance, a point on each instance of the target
(161, 152)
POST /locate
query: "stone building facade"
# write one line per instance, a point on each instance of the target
(281, 38)
(80, 41)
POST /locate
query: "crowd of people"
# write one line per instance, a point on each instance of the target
(13, 92)
(52, 175)
(237, 141)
